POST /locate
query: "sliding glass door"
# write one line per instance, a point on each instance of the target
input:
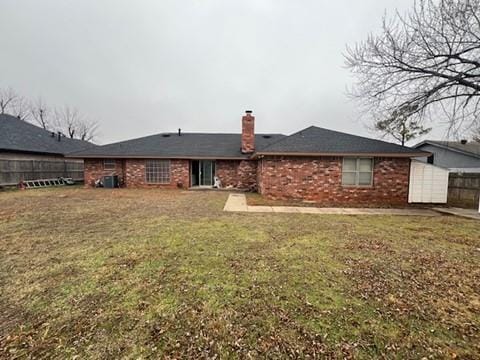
(202, 172)
(206, 173)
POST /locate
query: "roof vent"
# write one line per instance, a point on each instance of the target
(463, 141)
(166, 135)
(267, 136)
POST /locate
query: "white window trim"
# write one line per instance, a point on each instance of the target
(159, 182)
(357, 172)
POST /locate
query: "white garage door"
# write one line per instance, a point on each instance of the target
(428, 183)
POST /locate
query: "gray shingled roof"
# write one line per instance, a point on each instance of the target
(315, 140)
(312, 140)
(21, 136)
(471, 148)
(188, 145)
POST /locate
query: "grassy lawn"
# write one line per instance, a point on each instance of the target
(149, 273)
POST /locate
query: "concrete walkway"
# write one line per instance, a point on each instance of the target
(238, 203)
(466, 213)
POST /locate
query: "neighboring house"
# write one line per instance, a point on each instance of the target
(313, 164)
(457, 156)
(28, 152)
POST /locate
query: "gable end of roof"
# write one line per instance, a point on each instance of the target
(452, 146)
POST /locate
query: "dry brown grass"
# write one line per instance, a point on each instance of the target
(149, 273)
(255, 199)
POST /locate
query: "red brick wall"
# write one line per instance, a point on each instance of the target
(320, 180)
(247, 175)
(241, 174)
(179, 174)
(132, 173)
(93, 170)
(226, 170)
(248, 134)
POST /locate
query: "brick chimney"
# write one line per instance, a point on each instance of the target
(248, 133)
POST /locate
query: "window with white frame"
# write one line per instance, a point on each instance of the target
(109, 164)
(157, 171)
(357, 171)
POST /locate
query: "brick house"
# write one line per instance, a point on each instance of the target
(314, 164)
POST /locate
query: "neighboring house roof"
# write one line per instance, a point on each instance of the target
(172, 145)
(319, 141)
(471, 148)
(468, 170)
(19, 136)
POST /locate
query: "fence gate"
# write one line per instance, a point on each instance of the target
(428, 183)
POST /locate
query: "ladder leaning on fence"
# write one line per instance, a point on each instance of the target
(30, 184)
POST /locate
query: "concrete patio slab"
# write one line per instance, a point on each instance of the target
(466, 213)
(238, 203)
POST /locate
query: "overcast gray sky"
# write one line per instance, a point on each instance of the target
(143, 67)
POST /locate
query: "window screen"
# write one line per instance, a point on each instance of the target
(357, 171)
(157, 171)
(108, 164)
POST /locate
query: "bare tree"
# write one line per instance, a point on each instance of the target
(67, 120)
(87, 130)
(71, 122)
(21, 108)
(427, 61)
(400, 127)
(41, 113)
(476, 136)
(475, 132)
(7, 99)
(13, 104)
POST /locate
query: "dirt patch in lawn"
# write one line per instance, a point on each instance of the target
(151, 273)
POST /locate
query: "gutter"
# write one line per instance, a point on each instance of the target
(32, 152)
(342, 154)
(72, 156)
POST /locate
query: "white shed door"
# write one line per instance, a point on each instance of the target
(428, 183)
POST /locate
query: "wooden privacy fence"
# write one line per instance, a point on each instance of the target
(13, 171)
(464, 189)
